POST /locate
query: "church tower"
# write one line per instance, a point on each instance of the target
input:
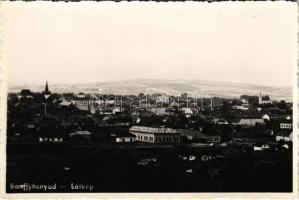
(47, 91)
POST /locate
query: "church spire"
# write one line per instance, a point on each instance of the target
(47, 91)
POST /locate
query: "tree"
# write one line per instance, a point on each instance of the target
(140, 95)
(282, 105)
(266, 98)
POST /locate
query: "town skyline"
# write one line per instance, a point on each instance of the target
(168, 87)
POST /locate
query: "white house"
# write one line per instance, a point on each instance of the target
(51, 139)
(188, 112)
(116, 110)
(261, 147)
(244, 101)
(249, 122)
(219, 121)
(286, 146)
(266, 117)
(123, 138)
(285, 126)
(84, 134)
(162, 99)
(282, 137)
(242, 107)
(65, 103)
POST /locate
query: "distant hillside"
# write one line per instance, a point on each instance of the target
(171, 87)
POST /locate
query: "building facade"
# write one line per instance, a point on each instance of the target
(155, 135)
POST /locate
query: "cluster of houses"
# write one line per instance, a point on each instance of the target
(88, 123)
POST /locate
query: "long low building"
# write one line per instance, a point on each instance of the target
(249, 122)
(194, 135)
(155, 135)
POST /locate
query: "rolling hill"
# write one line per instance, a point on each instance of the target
(171, 87)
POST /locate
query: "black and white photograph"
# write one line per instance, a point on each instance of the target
(147, 97)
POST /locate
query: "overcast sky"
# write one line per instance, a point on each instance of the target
(94, 42)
